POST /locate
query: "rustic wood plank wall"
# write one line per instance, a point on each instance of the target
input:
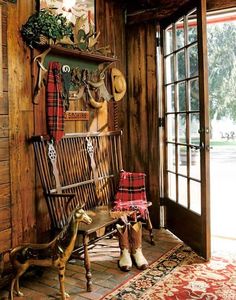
(142, 110)
(20, 125)
(5, 199)
(110, 20)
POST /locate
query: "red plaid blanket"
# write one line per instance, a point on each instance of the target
(131, 194)
(55, 109)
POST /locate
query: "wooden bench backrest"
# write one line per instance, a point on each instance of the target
(86, 164)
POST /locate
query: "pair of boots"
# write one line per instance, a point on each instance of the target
(130, 242)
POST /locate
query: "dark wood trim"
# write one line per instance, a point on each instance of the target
(180, 217)
(204, 135)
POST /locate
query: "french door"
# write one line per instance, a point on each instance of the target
(186, 130)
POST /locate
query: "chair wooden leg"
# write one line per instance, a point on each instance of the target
(87, 263)
(149, 228)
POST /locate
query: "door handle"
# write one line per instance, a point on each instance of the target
(201, 146)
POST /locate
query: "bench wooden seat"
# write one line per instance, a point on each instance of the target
(81, 170)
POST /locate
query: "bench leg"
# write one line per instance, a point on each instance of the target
(87, 263)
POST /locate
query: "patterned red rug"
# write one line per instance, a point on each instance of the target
(182, 275)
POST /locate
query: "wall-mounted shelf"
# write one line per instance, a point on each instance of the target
(81, 54)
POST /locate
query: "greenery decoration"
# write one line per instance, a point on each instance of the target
(45, 24)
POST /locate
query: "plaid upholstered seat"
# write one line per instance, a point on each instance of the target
(131, 194)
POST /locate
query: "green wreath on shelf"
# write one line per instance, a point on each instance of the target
(45, 27)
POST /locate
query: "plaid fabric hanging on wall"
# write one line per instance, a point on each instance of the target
(55, 109)
(131, 194)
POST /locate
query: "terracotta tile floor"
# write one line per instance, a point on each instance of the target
(105, 273)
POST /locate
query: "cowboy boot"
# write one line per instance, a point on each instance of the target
(125, 262)
(136, 246)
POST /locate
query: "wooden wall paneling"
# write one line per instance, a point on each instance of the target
(4, 172)
(4, 126)
(138, 116)
(5, 239)
(153, 136)
(5, 194)
(5, 217)
(4, 104)
(21, 120)
(4, 149)
(142, 143)
(105, 26)
(5, 212)
(110, 21)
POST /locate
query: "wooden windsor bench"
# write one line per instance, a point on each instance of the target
(81, 170)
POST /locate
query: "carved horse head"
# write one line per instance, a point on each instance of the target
(81, 216)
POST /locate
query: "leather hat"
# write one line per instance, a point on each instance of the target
(118, 84)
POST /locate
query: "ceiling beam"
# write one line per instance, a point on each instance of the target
(163, 11)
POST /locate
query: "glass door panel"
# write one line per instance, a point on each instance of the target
(195, 195)
(193, 60)
(172, 186)
(179, 29)
(192, 27)
(180, 65)
(171, 127)
(183, 191)
(181, 96)
(194, 95)
(171, 158)
(170, 96)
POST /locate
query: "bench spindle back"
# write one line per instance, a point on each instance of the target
(84, 164)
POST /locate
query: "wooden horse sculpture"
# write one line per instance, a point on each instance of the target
(56, 253)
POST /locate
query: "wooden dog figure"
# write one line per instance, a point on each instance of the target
(56, 253)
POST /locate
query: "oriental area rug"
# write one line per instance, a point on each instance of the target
(182, 275)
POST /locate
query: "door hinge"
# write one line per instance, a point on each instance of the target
(158, 42)
(161, 122)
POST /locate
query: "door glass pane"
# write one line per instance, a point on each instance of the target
(194, 95)
(193, 61)
(168, 40)
(170, 92)
(195, 196)
(195, 164)
(169, 69)
(192, 27)
(182, 192)
(179, 34)
(171, 158)
(182, 128)
(171, 128)
(181, 96)
(172, 186)
(194, 129)
(180, 65)
(182, 165)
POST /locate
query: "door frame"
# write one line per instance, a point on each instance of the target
(190, 227)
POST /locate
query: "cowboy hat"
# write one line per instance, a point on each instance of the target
(118, 84)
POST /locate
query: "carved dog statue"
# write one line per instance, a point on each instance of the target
(56, 253)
